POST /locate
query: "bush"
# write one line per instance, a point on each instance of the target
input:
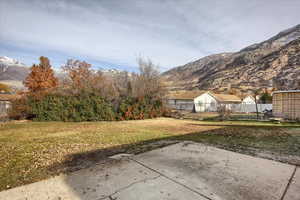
(85, 107)
(19, 109)
(87, 95)
(139, 108)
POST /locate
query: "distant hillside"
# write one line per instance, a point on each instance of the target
(12, 72)
(272, 63)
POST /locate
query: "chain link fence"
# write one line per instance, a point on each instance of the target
(235, 111)
(212, 107)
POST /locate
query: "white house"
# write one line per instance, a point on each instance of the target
(248, 105)
(210, 102)
(248, 100)
(202, 101)
(184, 100)
(5, 103)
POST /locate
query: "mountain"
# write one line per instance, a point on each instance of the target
(12, 72)
(274, 63)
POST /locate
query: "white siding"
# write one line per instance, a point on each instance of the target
(171, 102)
(4, 106)
(181, 104)
(205, 103)
(251, 108)
(248, 100)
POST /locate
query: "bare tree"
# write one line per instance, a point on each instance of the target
(148, 81)
(256, 94)
(123, 83)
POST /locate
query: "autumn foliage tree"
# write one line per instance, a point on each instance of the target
(82, 78)
(79, 74)
(41, 78)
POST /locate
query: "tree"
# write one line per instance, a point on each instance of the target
(81, 78)
(41, 78)
(148, 82)
(79, 73)
(256, 94)
(265, 97)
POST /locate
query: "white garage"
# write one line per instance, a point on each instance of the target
(202, 101)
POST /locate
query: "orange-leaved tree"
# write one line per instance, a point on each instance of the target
(79, 73)
(41, 78)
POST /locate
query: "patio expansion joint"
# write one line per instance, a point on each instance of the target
(289, 183)
(171, 179)
(110, 196)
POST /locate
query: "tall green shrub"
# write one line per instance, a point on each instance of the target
(86, 107)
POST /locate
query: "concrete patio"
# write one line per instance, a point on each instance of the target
(185, 170)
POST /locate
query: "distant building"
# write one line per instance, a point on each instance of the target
(286, 104)
(5, 103)
(248, 105)
(248, 100)
(184, 100)
(202, 101)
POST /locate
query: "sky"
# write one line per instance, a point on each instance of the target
(114, 33)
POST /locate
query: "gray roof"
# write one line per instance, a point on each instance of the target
(286, 91)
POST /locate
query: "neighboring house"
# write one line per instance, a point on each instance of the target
(210, 102)
(5, 102)
(248, 105)
(248, 100)
(286, 104)
(202, 101)
(184, 100)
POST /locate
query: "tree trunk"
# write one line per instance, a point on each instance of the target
(257, 116)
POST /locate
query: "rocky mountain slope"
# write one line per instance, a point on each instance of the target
(274, 63)
(11, 69)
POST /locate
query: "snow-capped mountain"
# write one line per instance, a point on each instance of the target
(12, 71)
(10, 61)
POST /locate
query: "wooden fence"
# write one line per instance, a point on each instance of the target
(287, 104)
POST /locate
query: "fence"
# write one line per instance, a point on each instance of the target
(213, 107)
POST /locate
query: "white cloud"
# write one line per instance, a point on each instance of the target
(169, 32)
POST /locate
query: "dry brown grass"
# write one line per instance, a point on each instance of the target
(32, 151)
(29, 149)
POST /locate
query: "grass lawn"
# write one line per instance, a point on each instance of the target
(32, 151)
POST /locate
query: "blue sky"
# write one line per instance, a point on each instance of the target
(114, 33)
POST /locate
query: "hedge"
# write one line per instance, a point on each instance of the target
(89, 107)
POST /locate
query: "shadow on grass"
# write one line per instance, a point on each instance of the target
(239, 138)
(249, 124)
